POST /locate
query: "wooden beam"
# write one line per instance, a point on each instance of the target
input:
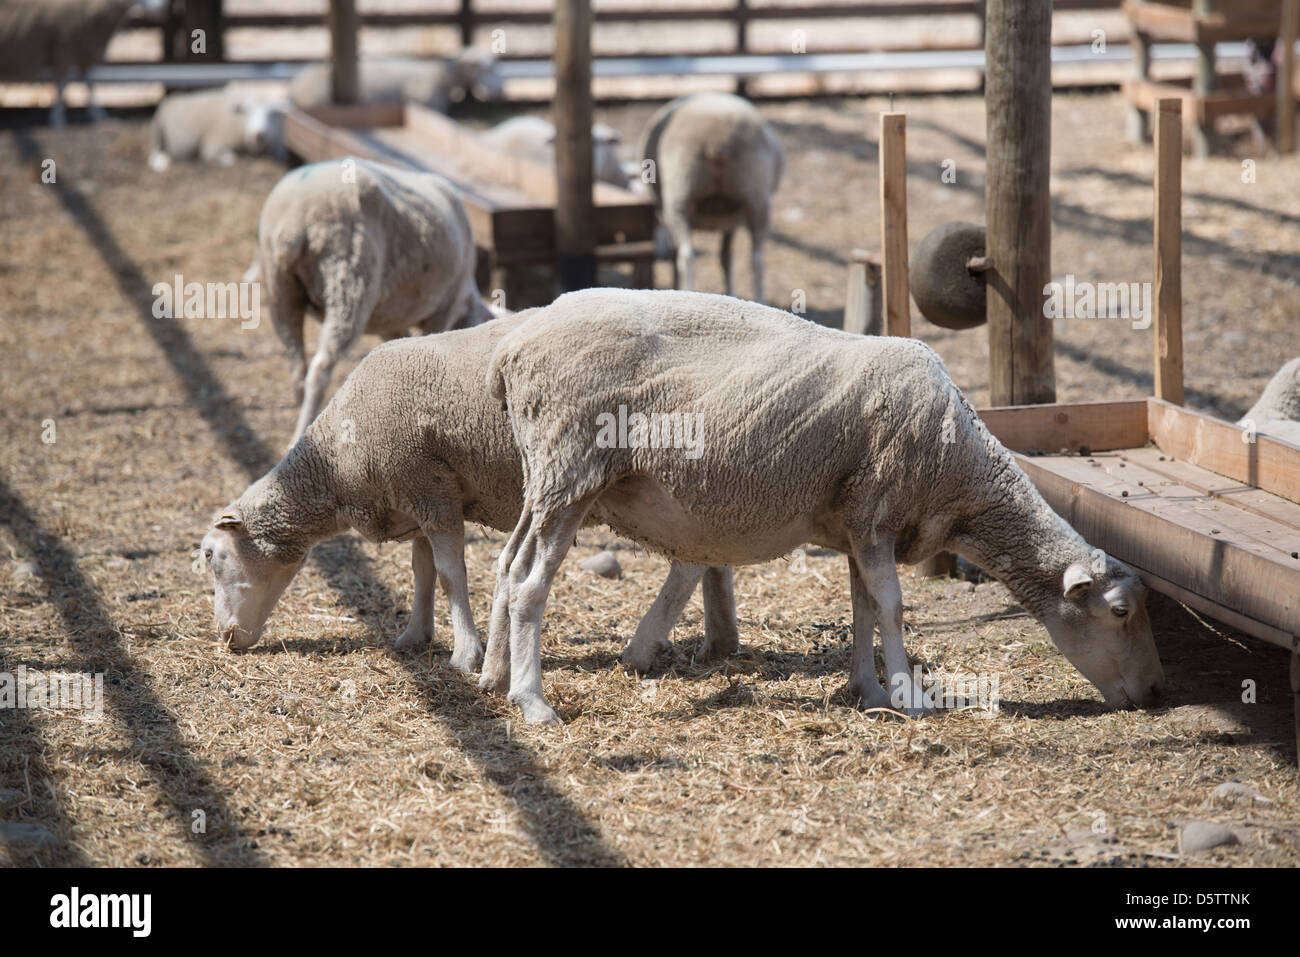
(1168, 249)
(344, 24)
(1018, 110)
(575, 238)
(1137, 117)
(1286, 75)
(1205, 81)
(1096, 426)
(863, 302)
(893, 225)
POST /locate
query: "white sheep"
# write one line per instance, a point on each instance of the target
(534, 137)
(712, 162)
(801, 434)
(214, 125)
(1277, 413)
(433, 83)
(410, 447)
(61, 36)
(369, 248)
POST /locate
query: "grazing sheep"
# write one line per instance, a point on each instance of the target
(716, 165)
(411, 447)
(1277, 413)
(61, 36)
(434, 83)
(802, 434)
(214, 125)
(534, 137)
(369, 248)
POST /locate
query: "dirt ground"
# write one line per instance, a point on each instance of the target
(322, 746)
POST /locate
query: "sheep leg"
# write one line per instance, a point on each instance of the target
(880, 574)
(287, 305)
(757, 236)
(531, 573)
(59, 111)
(420, 628)
(339, 330)
(721, 636)
(449, 560)
(724, 253)
(97, 113)
(864, 686)
(496, 661)
(679, 229)
(652, 633)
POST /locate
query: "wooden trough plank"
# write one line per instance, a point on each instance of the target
(1220, 447)
(1100, 426)
(1178, 503)
(1224, 574)
(1243, 496)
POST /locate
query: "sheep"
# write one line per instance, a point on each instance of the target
(434, 83)
(214, 125)
(712, 162)
(61, 36)
(1277, 413)
(534, 137)
(410, 447)
(369, 248)
(802, 434)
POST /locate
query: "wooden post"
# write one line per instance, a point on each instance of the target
(862, 304)
(1168, 219)
(893, 224)
(575, 238)
(204, 15)
(1286, 75)
(466, 23)
(742, 41)
(1018, 108)
(344, 25)
(1205, 82)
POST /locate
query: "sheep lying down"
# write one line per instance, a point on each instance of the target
(1277, 413)
(369, 248)
(433, 83)
(213, 126)
(410, 448)
(804, 434)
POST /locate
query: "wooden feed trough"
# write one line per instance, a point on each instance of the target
(1207, 512)
(510, 200)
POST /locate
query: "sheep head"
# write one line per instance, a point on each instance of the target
(247, 582)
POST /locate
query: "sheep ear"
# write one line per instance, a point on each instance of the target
(1077, 582)
(229, 519)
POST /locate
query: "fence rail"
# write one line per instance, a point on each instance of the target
(469, 19)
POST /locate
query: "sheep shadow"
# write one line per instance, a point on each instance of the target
(506, 764)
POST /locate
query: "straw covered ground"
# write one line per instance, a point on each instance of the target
(322, 746)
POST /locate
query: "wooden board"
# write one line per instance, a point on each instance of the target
(510, 200)
(1206, 517)
(1231, 20)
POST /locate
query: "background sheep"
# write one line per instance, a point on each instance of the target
(370, 248)
(861, 444)
(411, 447)
(214, 125)
(434, 83)
(61, 36)
(1277, 413)
(534, 137)
(716, 165)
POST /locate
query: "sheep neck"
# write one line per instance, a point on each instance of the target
(293, 506)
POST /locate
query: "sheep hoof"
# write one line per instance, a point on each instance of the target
(639, 660)
(536, 710)
(718, 650)
(496, 684)
(869, 695)
(412, 637)
(468, 658)
(159, 161)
